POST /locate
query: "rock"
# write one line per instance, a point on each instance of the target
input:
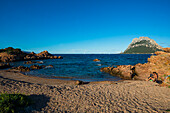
(32, 53)
(78, 82)
(44, 54)
(60, 57)
(4, 65)
(55, 57)
(96, 60)
(36, 67)
(40, 62)
(159, 52)
(10, 55)
(22, 68)
(33, 62)
(49, 66)
(159, 64)
(166, 50)
(29, 62)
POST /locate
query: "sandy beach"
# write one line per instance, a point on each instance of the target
(54, 95)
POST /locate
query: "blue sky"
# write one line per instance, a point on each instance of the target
(82, 26)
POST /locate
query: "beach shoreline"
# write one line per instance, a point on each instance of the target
(54, 95)
(17, 75)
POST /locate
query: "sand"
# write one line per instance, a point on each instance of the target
(65, 96)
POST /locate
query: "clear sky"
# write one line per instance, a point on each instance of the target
(82, 26)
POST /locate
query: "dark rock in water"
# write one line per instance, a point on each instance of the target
(32, 62)
(60, 57)
(22, 68)
(40, 62)
(29, 62)
(49, 66)
(36, 67)
(55, 57)
(4, 65)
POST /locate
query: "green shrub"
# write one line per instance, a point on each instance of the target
(11, 103)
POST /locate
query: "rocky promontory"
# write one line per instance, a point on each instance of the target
(10, 55)
(142, 45)
(159, 63)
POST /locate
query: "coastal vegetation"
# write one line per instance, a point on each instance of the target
(11, 103)
(141, 49)
(11, 50)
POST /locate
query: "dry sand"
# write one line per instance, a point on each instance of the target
(63, 96)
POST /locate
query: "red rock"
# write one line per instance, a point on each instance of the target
(159, 52)
(159, 64)
(10, 55)
(22, 68)
(60, 57)
(96, 60)
(36, 67)
(166, 50)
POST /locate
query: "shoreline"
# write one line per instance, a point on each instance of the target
(16, 75)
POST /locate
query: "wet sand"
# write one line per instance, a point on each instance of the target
(54, 95)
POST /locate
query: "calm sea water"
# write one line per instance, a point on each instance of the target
(82, 67)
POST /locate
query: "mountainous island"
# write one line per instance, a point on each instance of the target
(143, 45)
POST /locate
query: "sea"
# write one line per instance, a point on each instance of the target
(82, 67)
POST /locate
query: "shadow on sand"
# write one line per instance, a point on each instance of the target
(39, 102)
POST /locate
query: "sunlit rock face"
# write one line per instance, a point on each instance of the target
(11, 55)
(143, 45)
(159, 63)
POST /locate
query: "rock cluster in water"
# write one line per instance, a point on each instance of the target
(33, 67)
(10, 55)
(159, 63)
(4, 65)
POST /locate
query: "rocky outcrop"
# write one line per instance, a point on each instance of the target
(4, 65)
(10, 55)
(159, 63)
(36, 67)
(33, 62)
(166, 50)
(22, 68)
(33, 67)
(143, 45)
